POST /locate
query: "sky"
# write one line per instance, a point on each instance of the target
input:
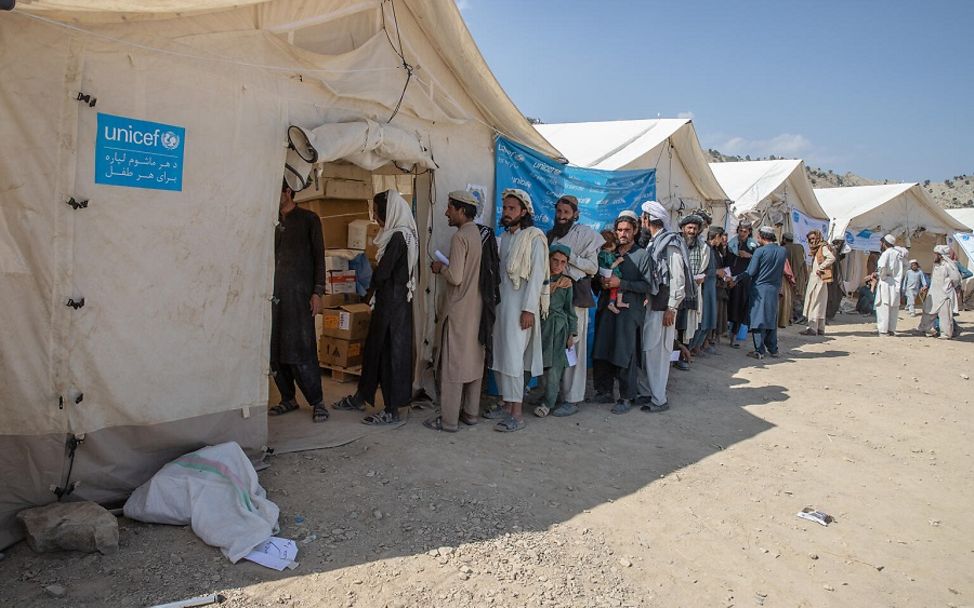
(881, 88)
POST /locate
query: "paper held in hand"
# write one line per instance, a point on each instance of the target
(441, 258)
(572, 356)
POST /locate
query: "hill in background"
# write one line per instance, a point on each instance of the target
(957, 191)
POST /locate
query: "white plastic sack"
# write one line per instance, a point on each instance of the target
(215, 490)
(370, 145)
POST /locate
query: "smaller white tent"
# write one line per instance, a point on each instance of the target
(964, 215)
(903, 210)
(669, 145)
(899, 209)
(765, 190)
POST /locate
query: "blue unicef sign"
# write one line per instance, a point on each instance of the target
(601, 194)
(139, 154)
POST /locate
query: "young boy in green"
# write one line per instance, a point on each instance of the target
(557, 333)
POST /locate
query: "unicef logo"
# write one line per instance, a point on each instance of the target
(849, 238)
(170, 140)
(795, 217)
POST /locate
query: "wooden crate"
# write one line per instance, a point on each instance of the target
(344, 374)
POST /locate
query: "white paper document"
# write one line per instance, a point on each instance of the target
(572, 356)
(674, 356)
(276, 553)
(441, 258)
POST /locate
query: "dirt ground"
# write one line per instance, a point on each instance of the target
(693, 507)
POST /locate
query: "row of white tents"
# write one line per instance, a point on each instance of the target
(169, 350)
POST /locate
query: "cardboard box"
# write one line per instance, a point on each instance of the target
(337, 352)
(340, 281)
(336, 300)
(329, 180)
(349, 322)
(347, 188)
(336, 214)
(361, 233)
(334, 262)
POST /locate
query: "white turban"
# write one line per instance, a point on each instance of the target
(657, 212)
(890, 239)
(520, 195)
(943, 250)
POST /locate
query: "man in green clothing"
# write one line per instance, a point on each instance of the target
(558, 333)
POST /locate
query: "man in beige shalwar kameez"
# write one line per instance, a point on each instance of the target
(461, 353)
(940, 299)
(817, 291)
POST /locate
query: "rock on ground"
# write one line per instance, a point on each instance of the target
(70, 526)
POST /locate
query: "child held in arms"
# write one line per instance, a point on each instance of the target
(558, 332)
(609, 265)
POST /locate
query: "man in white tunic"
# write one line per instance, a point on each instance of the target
(582, 266)
(941, 299)
(888, 277)
(670, 279)
(524, 302)
(817, 290)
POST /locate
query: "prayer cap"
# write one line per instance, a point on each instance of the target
(568, 199)
(787, 236)
(628, 213)
(560, 248)
(462, 196)
(745, 223)
(766, 231)
(914, 261)
(890, 239)
(520, 195)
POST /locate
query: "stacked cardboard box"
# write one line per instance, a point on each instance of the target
(343, 332)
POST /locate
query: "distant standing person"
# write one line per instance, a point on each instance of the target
(913, 284)
(387, 358)
(765, 271)
(817, 290)
(299, 282)
(941, 299)
(584, 243)
(461, 354)
(888, 275)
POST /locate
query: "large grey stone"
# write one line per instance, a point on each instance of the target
(70, 526)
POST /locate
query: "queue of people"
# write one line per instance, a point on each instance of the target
(518, 305)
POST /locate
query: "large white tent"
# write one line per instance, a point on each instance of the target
(170, 350)
(765, 190)
(903, 210)
(670, 145)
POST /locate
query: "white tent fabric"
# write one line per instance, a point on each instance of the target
(171, 347)
(767, 189)
(370, 145)
(899, 209)
(669, 145)
(964, 216)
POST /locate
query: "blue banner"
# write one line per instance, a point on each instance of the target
(139, 154)
(601, 194)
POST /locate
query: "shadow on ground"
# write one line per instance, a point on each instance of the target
(411, 490)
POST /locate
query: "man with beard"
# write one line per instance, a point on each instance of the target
(691, 226)
(461, 354)
(817, 294)
(299, 282)
(616, 349)
(524, 302)
(584, 243)
(669, 280)
(742, 247)
(888, 277)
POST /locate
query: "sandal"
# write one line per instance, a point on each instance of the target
(468, 420)
(496, 413)
(282, 408)
(565, 409)
(348, 404)
(541, 411)
(380, 419)
(319, 413)
(509, 425)
(436, 424)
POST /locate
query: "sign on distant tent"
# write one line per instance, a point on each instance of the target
(139, 154)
